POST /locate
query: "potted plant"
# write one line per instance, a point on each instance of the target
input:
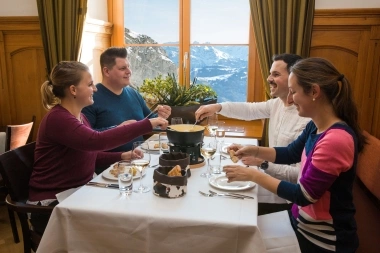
(183, 100)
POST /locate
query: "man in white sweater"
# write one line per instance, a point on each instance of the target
(284, 124)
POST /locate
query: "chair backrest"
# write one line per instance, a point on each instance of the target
(16, 168)
(18, 135)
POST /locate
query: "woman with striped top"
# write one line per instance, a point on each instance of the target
(323, 212)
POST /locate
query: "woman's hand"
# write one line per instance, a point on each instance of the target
(164, 111)
(128, 155)
(249, 160)
(244, 152)
(239, 173)
(161, 122)
(127, 122)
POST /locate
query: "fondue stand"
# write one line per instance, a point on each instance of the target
(187, 138)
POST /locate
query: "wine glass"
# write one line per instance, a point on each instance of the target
(208, 150)
(140, 159)
(220, 133)
(176, 121)
(212, 122)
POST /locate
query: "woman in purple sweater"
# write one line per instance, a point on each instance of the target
(67, 149)
(322, 215)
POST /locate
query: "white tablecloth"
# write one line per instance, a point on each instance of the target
(95, 219)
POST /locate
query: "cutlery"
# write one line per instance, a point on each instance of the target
(231, 194)
(213, 195)
(103, 185)
(155, 109)
(153, 166)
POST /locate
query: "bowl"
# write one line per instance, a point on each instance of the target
(169, 187)
(176, 158)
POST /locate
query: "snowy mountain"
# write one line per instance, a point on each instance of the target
(222, 67)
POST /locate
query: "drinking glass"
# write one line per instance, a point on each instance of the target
(208, 150)
(176, 121)
(125, 178)
(220, 133)
(140, 160)
(212, 124)
(163, 143)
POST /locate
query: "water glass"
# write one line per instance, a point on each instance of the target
(163, 143)
(125, 178)
(212, 124)
(215, 164)
(220, 133)
(176, 121)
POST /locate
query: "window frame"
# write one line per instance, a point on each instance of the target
(255, 81)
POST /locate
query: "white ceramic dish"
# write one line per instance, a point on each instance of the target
(107, 175)
(220, 182)
(150, 146)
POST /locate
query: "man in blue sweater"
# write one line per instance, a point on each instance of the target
(115, 103)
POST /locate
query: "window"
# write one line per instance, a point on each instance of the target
(203, 41)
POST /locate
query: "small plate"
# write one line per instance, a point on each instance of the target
(224, 148)
(150, 146)
(106, 174)
(220, 182)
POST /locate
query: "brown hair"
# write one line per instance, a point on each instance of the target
(107, 58)
(64, 74)
(334, 85)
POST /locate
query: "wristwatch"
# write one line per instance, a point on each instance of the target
(264, 165)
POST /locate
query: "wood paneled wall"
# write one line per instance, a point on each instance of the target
(350, 39)
(22, 70)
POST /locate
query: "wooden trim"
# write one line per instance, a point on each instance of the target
(184, 41)
(114, 6)
(19, 23)
(347, 17)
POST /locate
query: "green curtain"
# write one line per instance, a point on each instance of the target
(280, 26)
(61, 24)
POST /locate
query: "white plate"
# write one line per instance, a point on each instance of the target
(220, 182)
(106, 174)
(150, 146)
(224, 147)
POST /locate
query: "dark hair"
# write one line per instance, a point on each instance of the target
(334, 85)
(64, 74)
(289, 59)
(107, 58)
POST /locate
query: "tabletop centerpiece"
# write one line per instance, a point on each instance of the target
(183, 100)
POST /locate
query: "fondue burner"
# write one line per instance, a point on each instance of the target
(193, 150)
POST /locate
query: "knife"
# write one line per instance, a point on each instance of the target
(233, 194)
(103, 185)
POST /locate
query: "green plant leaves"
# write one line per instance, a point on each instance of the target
(167, 91)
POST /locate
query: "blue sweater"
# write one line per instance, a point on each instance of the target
(110, 110)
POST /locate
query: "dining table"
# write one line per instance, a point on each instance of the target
(98, 219)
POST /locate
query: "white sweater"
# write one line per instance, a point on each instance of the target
(284, 127)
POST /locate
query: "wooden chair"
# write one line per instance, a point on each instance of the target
(16, 136)
(16, 168)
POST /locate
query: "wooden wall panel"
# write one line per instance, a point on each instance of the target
(349, 39)
(23, 71)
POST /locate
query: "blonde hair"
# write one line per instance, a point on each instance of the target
(64, 74)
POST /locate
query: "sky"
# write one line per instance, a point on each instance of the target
(227, 19)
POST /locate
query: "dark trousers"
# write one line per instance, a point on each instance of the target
(39, 221)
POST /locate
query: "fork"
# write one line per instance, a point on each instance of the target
(213, 195)
(155, 109)
(231, 194)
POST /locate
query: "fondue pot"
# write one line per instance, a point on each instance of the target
(185, 134)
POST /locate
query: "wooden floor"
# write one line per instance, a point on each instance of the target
(7, 244)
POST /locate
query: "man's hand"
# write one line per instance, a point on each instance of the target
(164, 111)
(207, 111)
(249, 160)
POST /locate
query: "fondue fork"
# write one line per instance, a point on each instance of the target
(155, 109)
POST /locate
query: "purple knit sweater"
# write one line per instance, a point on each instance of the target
(67, 151)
